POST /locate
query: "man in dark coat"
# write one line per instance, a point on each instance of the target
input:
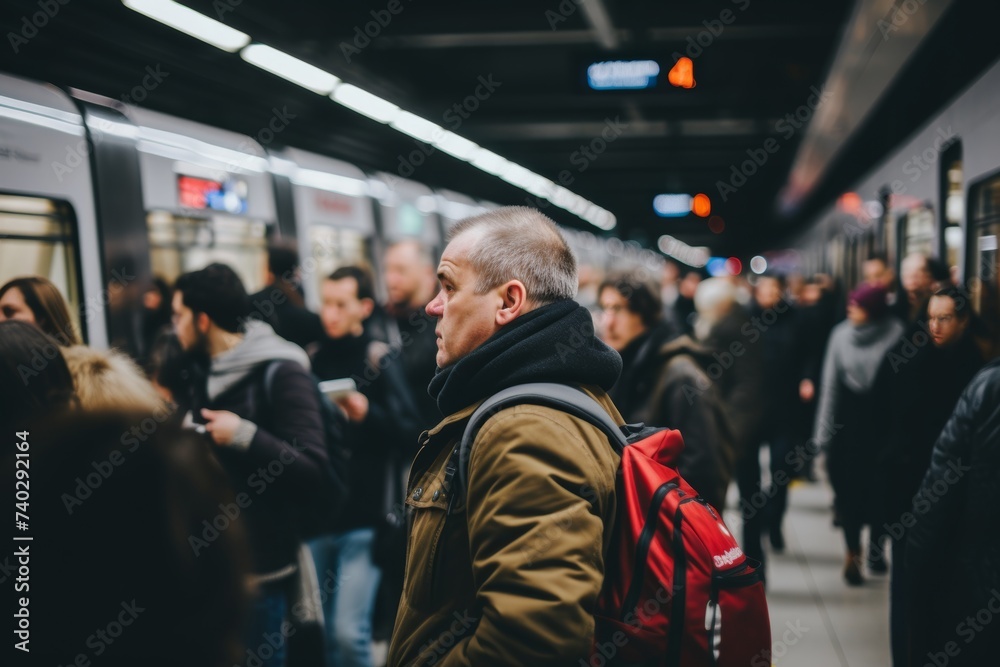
(664, 384)
(382, 427)
(915, 391)
(777, 329)
(410, 283)
(280, 303)
(953, 547)
(271, 443)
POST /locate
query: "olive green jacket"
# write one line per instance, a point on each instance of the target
(512, 576)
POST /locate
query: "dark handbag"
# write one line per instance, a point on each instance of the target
(306, 644)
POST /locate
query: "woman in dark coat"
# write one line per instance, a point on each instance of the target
(844, 416)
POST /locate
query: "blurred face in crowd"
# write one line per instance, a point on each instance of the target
(190, 328)
(342, 312)
(811, 294)
(915, 276)
(13, 307)
(856, 314)
(465, 319)
(408, 278)
(875, 272)
(671, 274)
(689, 285)
(767, 292)
(945, 326)
(619, 325)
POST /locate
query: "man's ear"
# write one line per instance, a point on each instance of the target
(515, 302)
(203, 322)
(367, 308)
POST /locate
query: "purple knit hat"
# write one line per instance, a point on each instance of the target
(871, 299)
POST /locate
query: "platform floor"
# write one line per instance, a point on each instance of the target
(816, 619)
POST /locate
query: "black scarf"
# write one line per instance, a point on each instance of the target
(555, 343)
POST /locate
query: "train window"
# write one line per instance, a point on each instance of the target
(179, 244)
(333, 247)
(916, 228)
(953, 206)
(38, 238)
(983, 260)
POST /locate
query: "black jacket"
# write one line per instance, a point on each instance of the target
(915, 393)
(953, 548)
(664, 384)
(283, 309)
(284, 470)
(386, 435)
(418, 348)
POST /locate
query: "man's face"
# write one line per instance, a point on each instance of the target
(768, 293)
(465, 319)
(191, 338)
(689, 285)
(915, 277)
(875, 272)
(619, 325)
(342, 312)
(945, 326)
(404, 274)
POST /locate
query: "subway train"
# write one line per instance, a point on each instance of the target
(937, 193)
(101, 197)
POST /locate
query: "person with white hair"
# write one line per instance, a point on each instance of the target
(737, 372)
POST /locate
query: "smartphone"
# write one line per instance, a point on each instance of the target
(339, 388)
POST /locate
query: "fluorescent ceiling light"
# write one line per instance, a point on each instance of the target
(193, 23)
(291, 68)
(452, 144)
(489, 162)
(365, 103)
(417, 127)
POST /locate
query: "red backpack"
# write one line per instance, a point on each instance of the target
(678, 590)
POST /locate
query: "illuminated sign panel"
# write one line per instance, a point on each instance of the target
(623, 74)
(202, 193)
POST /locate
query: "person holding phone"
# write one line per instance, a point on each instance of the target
(381, 415)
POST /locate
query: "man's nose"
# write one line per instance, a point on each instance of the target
(436, 307)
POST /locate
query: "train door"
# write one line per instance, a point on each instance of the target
(207, 197)
(48, 224)
(951, 237)
(336, 225)
(982, 259)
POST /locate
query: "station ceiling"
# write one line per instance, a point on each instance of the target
(509, 76)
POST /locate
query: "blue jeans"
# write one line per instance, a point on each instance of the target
(264, 643)
(348, 582)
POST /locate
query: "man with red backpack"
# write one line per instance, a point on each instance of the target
(513, 531)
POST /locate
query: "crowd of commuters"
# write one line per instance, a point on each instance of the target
(237, 477)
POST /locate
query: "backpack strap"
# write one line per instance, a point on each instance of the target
(565, 398)
(269, 372)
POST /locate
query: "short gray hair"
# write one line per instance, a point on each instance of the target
(521, 243)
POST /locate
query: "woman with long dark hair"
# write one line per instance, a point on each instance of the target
(36, 300)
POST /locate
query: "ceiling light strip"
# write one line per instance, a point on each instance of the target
(367, 104)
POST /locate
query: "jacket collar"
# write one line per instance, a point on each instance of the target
(455, 417)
